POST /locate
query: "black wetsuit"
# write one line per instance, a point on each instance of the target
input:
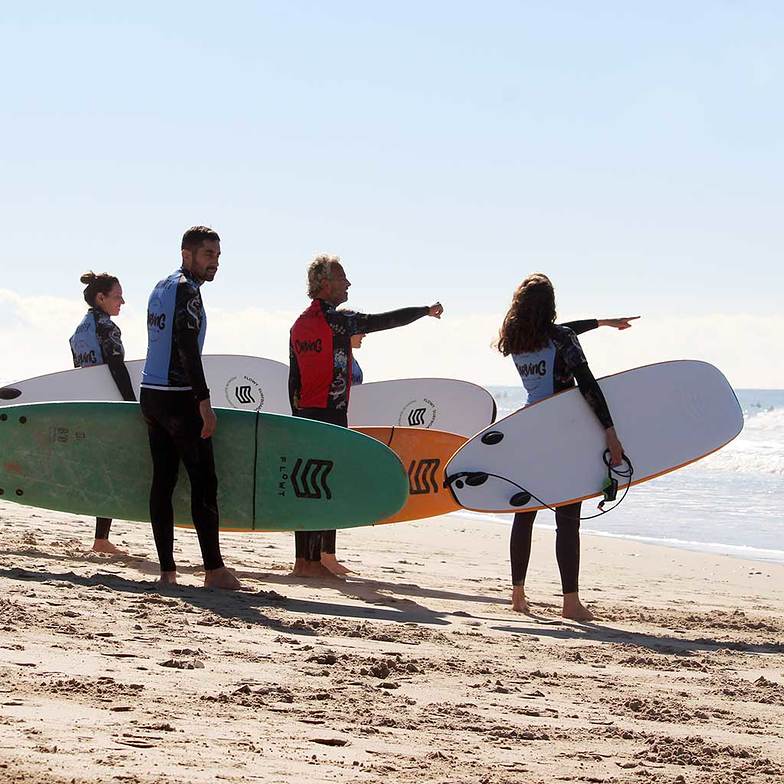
(98, 341)
(555, 369)
(173, 385)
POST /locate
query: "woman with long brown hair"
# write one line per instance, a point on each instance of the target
(98, 341)
(549, 358)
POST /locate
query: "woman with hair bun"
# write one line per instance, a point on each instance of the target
(98, 341)
(549, 359)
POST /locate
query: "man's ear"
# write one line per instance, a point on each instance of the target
(187, 257)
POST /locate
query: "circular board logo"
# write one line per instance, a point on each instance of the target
(244, 392)
(418, 413)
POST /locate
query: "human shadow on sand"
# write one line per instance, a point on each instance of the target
(243, 606)
(659, 643)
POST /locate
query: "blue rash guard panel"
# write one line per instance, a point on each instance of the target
(557, 366)
(356, 372)
(176, 328)
(98, 341)
(536, 370)
(85, 346)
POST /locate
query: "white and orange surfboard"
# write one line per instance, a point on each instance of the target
(667, 415)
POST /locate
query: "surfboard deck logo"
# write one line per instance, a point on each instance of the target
(418, 413)
(309, 478)
(244, 392)
(422, 476)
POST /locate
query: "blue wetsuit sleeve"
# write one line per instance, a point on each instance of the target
(187, 324)
(584, 325)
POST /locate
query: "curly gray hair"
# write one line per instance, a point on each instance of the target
(320, 270)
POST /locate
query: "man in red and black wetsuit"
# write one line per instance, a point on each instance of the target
(320, 377)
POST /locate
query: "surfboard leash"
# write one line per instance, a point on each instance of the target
(609, 488)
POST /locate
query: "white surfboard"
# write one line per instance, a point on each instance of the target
(666, 415)
(439, 403)
(235, 381)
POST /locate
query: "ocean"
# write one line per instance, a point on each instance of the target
(731, 502)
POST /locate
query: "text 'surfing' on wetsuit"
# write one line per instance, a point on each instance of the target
(320, 351)
(97, 340)
(557, 365)
(176, 327)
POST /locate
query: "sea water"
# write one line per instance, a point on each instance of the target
(730, 502)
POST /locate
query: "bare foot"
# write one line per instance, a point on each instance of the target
(334, 566)
(167, 578)
(106, 547)
(574, 609)
(519, 602)
(221, 578)
(312, 569)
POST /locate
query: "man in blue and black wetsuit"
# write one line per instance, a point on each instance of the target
(176, 405)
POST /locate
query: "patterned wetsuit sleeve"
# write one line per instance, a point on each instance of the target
(187, 323)
(110, 341)
(294, 379)
(356, 323)
(584, 325)
(576, 363)
(122, 379)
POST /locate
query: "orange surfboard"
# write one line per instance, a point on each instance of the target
(424, 454)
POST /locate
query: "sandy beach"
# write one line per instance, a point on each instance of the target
(413, 670)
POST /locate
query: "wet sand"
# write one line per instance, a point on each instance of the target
(413, 670)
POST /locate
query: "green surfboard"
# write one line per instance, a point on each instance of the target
(275, 472)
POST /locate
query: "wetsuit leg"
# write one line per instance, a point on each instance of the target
(102, 527)
(316, 542)
(174, 428)
(165, 466)
(300, 543)
(200, 465)
(520, 545)
(328, 541)
(567, 545)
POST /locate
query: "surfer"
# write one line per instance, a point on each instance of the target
(98, 341)
(357, 376)
(320, 377)
(329, 538)
(549, 358)
(175, 402)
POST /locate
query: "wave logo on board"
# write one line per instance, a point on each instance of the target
(422, 476)
(245, 393)
(309, 479)
(418, 413)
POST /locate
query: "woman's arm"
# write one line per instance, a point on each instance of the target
(121, 378)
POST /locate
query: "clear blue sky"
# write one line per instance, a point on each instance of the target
(633, 151)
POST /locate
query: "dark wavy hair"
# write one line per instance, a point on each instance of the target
(101, 283)
(527, 323)
(195, 237)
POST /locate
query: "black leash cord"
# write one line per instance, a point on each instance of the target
(623, 473)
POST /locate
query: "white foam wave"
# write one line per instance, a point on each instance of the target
(759, 449)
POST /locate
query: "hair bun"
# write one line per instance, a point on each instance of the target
(88, 278)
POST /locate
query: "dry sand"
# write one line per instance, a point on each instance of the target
(416, 670)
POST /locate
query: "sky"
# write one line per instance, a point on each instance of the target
(444, 150)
